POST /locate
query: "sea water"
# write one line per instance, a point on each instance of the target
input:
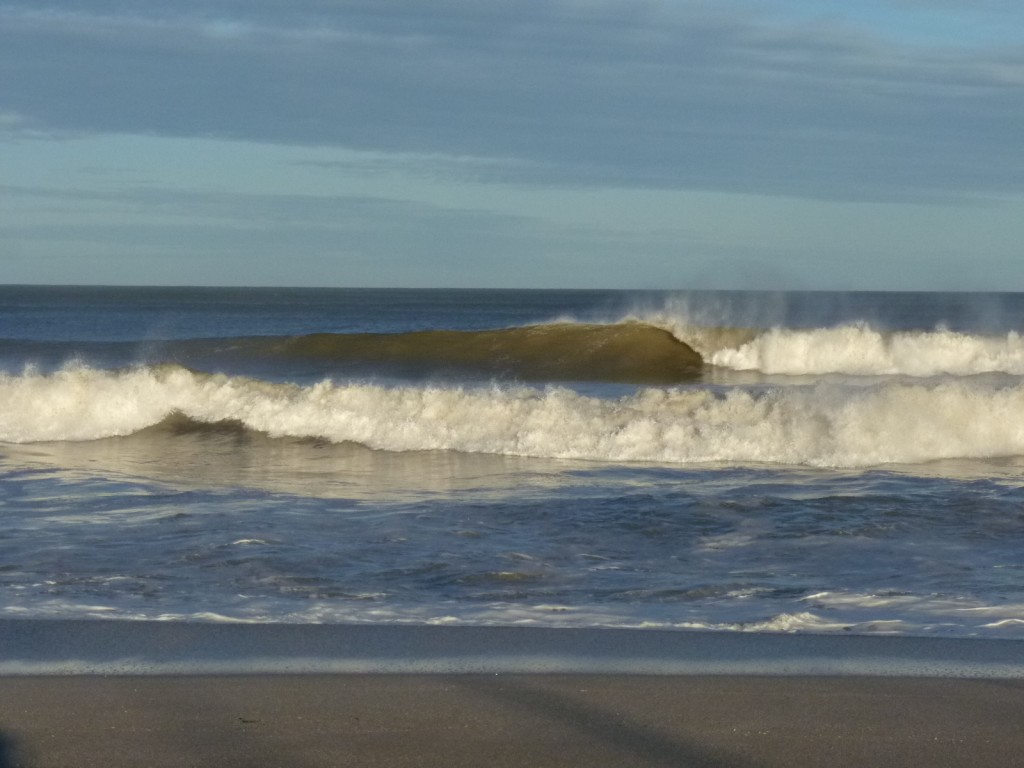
(822, 462)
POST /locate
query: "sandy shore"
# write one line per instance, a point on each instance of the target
(498, 697)
(508, 720)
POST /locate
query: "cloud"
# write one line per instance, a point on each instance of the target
(614, 93)
(143, 234)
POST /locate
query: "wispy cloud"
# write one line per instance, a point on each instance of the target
(145, 234)
(618, 93)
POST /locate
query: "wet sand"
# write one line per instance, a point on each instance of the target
(508, 720)
(498, 697)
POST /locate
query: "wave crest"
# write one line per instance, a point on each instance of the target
(861, 350)
(825, 424)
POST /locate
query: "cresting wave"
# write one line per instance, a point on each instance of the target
(861, 350)
(655, 350)
(639, 352)
(634, 353)
(825, 424)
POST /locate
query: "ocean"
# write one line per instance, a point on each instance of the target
(749, 461)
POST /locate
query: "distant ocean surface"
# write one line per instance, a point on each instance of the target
(815, 462)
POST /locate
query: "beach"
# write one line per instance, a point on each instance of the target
(769, 700)
(508, 720)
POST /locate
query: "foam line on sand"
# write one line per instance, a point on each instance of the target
(67, 647)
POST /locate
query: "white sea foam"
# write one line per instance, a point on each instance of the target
(825, 424)
(861, 350)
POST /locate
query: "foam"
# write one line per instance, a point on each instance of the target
(44, 647)
(826, 424)
(861, 350)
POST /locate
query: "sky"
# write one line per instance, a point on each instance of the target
(734, 144)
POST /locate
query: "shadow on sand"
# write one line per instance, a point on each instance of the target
(8, 758)
(600, 725)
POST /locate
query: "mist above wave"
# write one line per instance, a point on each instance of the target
(853, 334)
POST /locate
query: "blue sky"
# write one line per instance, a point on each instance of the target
(793, 144)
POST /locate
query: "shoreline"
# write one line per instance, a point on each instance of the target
(119, 647)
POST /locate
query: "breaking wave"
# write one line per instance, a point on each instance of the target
(644, 351)
(824, 424)
(630, 352)
(861, 350)
(621, 352)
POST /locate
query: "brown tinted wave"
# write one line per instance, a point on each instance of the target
(626, 352)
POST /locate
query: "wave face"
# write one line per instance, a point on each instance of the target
(825, 424)
(858, 349)
(625, 352)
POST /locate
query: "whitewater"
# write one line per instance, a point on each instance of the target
(863, 351)
(821, 424)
